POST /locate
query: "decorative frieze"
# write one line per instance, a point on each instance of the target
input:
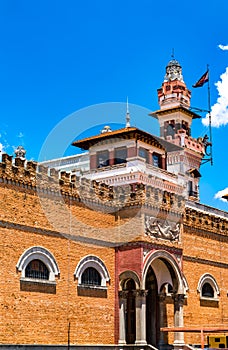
(201, 220)
(162, 229)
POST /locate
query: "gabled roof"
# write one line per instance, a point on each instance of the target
(124, 133)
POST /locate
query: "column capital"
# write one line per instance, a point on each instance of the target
(123, 294)
(140, 293)
(179, 298)
(162, 297)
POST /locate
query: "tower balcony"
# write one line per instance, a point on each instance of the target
(136, 170)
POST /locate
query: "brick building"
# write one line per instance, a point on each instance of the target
(108, 258)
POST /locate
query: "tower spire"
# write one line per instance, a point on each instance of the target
(172, 55)
(127, 116)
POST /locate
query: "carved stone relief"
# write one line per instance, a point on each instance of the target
(162, 229)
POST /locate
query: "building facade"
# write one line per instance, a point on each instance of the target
(108, 257)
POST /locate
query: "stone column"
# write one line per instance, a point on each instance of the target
(150, 158)
(111, 156)
(93, 161)
(162, 297)
(178, 319)
(122, 318)
(163, 162)
(140, 305)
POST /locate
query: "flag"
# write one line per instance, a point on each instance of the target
(204, 79)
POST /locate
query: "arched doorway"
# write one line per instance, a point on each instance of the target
(163, 282)
(152, 311)
(129, 287)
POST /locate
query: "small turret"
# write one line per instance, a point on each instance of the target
(20, 152)
(174, 116)
(173, 92)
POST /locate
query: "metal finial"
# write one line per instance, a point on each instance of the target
(172, 55)
(127, 116)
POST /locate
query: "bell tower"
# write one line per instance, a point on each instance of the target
(174, 101)
(175, 118)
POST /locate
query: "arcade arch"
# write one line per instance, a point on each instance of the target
(143, 300)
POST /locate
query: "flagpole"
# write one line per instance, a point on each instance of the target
(209, 111)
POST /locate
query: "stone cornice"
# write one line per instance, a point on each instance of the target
(205, 261)
(63, 235)
(152, 246)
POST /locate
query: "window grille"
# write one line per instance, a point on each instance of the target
(91, 277)
(37, 269)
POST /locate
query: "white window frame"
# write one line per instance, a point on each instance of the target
(208, 278)
(95, 262)
(42, 254)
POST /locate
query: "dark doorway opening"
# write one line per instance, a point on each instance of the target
(130, 312)
(152, 309)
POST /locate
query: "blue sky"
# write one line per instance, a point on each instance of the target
(58, 58)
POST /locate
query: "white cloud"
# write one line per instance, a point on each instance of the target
(219, 111)
(223, 47)
(219, 194)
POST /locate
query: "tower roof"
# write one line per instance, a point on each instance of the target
(175, 109)
(173, 62)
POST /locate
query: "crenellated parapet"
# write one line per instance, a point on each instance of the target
(206, 221)
(19, 171)
(33, 176)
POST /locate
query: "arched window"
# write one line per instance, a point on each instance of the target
(38, 263)
(91, 277)
(37, 269)
(208, 287)
(91, 271)
(207, 291)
